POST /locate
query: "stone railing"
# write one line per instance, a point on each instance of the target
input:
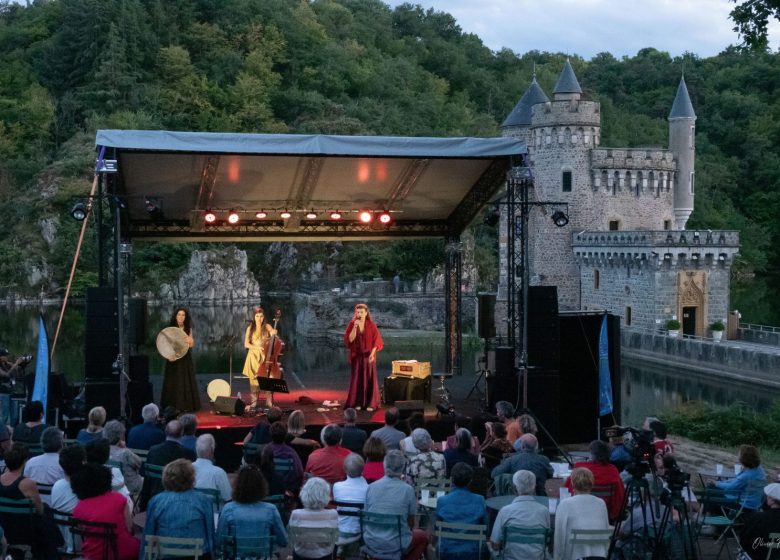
(636, 158)
(657, 238)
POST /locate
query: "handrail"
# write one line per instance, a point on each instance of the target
(760, 328)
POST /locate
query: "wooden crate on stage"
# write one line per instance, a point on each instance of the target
(411, 368)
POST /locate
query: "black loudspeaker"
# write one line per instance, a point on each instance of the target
(136, 321)
(505, 361)
(486, 321)
(502, 388)
(101, 334)
(544, 337)
(139, 368)
(407, 389)
(139, 394)
(544, 402)
(407, 408)
(229, 405)
(103, 393)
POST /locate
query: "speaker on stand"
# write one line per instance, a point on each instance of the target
(486, 329)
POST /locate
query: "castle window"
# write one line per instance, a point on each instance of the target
(566, 181)
(614, 225)
(628, 316)
(692, 177)
(596, 279)
(691, 138)
(667, 224)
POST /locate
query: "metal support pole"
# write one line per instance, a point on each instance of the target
(452, 305)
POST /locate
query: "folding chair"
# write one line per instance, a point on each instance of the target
(283, 465)
(243, 548)
(426, 488)
(325, 537)
(591, 538)
(468, 532)
(22, 511)
(728, 511)
(381, 521)
(213, 495)
(252, 452)
(531, 536)
(106, 532)
(162, 547)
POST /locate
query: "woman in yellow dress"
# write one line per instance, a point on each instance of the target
(257, 334)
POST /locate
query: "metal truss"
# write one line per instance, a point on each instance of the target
(453, 272)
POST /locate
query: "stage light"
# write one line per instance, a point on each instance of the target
(261, 215)
(559, 218)
(366, 217)
(311, 215)
(385, 217)
(233, 217)
(335, 215)
(79, 211)
(209, 217)
(153, 208)
(285, 215)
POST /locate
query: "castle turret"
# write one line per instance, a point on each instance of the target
(567, 86)
(518, 123)
(682, 143)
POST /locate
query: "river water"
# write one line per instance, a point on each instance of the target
(646, 389)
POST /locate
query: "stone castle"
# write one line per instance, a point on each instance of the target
(625, 249)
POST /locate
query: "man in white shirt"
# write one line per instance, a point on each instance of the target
(207, 474)
(62, 497)
(352, 490)
(524, 512)
(45, 468)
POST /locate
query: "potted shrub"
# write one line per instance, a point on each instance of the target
(717, 329)
(673, 327)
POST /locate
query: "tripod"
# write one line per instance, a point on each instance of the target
(675, 502)
(637, 497)
(482, 374)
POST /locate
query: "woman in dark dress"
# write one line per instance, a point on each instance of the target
(363, 340)
(180, 389)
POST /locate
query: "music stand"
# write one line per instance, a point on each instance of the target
(272, 386)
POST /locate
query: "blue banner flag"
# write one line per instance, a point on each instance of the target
(605, 382)
(41, 386)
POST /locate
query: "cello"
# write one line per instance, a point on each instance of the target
(272, 349)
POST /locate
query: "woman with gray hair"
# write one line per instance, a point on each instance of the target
(461, 452)
(127, 461)
(427, 463)
(315, 496)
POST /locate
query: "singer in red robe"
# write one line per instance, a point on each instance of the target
(363, 340)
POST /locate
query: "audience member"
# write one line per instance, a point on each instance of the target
(527, 458)
(416, 420)
(315, 496)
(524, 512)
(94, 430)
(660, 442)
(388, 433)
(247, 516)
(170, 412)
(92, 485)
(506, 414)
(352, 490)
(293, 478)
(496, 444)
(452, 440)
(328, 462)
(45, 468)
(99, 452)
(276, 484)
(461, 506)
(527, 424)
(129, 463)
(207, 474)
(32, 426)
(189, 424)
(758, 526)
(620, 456)
(461, 452)
(604, 474)
(581, 511)
(747, 486)
(260, 433)
(63, 498)
(352, 437)
(427, 463)
(5, 438)
(144, 436)
(374, 451)
(180, 510)
(162, 454)
(391, 495)
(296, 428)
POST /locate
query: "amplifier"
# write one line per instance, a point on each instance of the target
(411, 368)
(229, 405)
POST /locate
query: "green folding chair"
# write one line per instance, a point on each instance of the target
(382, 522)
(157, 547)
(324, 537)
(467, 532)
(531, 536)
(240, 548)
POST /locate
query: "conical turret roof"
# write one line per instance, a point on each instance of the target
(567, 81)
(521, 114)
(682, 108)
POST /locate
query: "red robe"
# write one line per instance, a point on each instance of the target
(363, 385)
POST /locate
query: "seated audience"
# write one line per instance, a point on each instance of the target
(45, 468)
(296, 428)
(581, 511)
(98, 452)
(352, 490)
(496, 444)
(747, 486)
(388, 433)
(452, 440)
(461, 452)
(620, 456)
(660, 443)
(461, 506)
(525, 512)
(92, 485)
(189, 425)
(180, 510)
(5, 438)
(162, 454)
(94, 430)
(527, 424)
(32, 426)
(260, 433)
(247, 516)
(391, 495)
(144, 436)
(315, 496)
(604, 474)
(328, 462)
(352, 437)
(427, 463)
(63, 499)
(374, 451)
(207, 474)
(506, 414)
(759, 526)
(293, 478)
(276, 484)
(416, 420)
(527, 458)
(129, 463)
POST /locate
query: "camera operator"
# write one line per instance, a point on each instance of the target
(9, 371)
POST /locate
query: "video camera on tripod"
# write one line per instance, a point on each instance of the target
(638, 444)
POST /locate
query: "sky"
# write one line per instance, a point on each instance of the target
(588, 27)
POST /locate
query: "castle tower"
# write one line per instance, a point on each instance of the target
(518, 123)
(682, 143)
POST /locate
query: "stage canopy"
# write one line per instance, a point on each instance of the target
(169, 181)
